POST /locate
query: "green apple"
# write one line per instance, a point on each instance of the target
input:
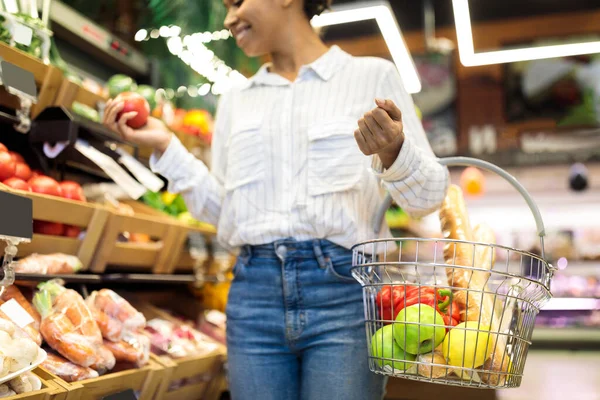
(414, 330)
(384, 346)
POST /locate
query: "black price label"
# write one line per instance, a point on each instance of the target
(18, 79)
(128, 394)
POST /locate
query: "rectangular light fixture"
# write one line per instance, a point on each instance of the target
(382, 13)
(469, 58)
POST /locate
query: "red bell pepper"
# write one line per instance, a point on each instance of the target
(397, 297)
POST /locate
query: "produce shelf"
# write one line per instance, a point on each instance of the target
(50, 390)
(144, 381)
(188, 378)
(48, 78)
(92, 217)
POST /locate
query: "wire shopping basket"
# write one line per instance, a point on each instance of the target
(454, 312)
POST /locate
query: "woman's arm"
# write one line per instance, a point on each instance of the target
(202, 190)
(416, 181)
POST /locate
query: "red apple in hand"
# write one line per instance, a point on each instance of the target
(8, 166)
(133, 102)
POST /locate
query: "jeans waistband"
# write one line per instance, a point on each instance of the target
(319, 249)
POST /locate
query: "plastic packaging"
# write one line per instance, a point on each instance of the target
(68, 325)
(48, 264)
(177, 340)
(134, 349)
(14, 305)
(66, 370)
(17, 350)
(118, 308)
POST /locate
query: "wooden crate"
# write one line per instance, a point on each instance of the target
(158, 258)
(54, 209)
(145, 381)
(50, 390)
(204, 373)
(47, 77)
(70, 92)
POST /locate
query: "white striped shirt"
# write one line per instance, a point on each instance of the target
(285, 162)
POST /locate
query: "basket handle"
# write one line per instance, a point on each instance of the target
(474, 162)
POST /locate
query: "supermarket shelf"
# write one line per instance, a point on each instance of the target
(6, 118)
(117, 278)
(572, 304)
(554, 336)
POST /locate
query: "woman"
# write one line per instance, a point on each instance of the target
(290, 185)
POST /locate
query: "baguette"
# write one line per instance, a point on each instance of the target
(478, 304)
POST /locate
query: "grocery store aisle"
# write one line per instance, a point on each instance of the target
(551, 375)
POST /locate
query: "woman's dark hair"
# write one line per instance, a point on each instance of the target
(315, 7)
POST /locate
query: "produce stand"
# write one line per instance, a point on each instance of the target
(47, 77)
(144, 380)
(159, 257)
(53, 209)
(51, 389)
(70, 92)
(203, 372)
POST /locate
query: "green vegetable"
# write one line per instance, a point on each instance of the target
(120, 83)
(148, 92)
(85, 111)
(154, 200)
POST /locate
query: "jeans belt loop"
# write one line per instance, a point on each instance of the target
(318, 249)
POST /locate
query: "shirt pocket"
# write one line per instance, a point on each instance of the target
(245, 155)
(335, 163)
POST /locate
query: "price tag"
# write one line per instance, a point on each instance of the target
(16, 313)
(18, 79)
(128, 394)
(22, 34)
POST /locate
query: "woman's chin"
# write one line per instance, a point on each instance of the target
(252, 51)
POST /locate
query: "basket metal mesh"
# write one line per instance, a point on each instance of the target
(488, 352)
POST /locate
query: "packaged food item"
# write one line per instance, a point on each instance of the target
(6, 391)
(106, 360)
(118, 308)
(177, 340)
(48, 264)
(67, 324)
(17, 350)
(67, 370)
(14, 305)
(111, 328)
(25, 383)
(134, 349)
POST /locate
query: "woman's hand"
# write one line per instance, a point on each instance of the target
(380, 131)
(154, 134)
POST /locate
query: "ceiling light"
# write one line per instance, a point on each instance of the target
(469, 58)
(382, 13)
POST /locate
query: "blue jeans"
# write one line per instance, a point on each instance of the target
(295, 325)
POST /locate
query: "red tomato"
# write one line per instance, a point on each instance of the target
(72, 231)
(3, 148)
(8, 166)
(37, 172)
(72, 190)
(18, 184)
(48, 228)
(45, 185)
(17, 157)
(134, 102)
(23, 171)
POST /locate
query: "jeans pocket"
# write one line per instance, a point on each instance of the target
(340, 269)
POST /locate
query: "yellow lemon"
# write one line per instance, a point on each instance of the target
(468, 345)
